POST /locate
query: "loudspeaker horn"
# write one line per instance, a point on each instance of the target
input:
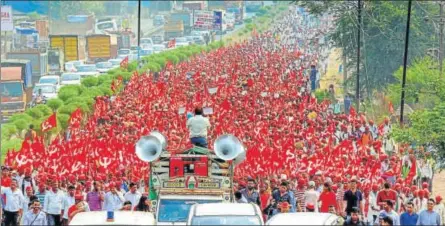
(148, 148)
(227, 147)
(241, 157)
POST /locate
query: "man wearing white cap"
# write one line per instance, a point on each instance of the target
(311, 196)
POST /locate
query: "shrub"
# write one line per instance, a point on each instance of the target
(62, 121)
(34, 113)
(44, 109)
(90, 81)
(8, 130)
(12, 144)
(54, 104)
(24, 116)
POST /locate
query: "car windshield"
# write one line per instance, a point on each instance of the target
(181, 40)
(77, 63)
(146, 41)
(86, 68)
(104, 65)
(48, 80)
(178, 210)
(69, 66)
(123, 51)
(70, 77)
(45, 89)
(11, 89)
(226, 220)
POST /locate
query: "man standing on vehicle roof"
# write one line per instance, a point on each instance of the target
(198, 126)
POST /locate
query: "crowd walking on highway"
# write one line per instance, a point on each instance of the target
(301, 155)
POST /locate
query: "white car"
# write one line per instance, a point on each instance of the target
(70, 79)
(182, 42)
(49, 91)
(70, 66)
(158, 48)
(120, 218)
(304, 219)
(146, 43)
(103, 67)
(87, 70)
(122, 53)
(50, 79)
(115, 62)
(225, 214)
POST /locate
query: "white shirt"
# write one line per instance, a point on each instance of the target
(311, 196)
(197, 126)
(373, 203)
(113, 202)
(35, 219)
(53, 202)
(133, 198)
(14, 199)
(440, 209)
(68, 201)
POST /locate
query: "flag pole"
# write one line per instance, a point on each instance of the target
(405, 62)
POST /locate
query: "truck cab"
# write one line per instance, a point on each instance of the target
(105, 26)
(14, 91)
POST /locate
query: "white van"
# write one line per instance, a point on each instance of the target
(70, 79)
(225, 214)
(304, 219)
(120, 218)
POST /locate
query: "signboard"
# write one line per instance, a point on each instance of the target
(203, 20)
(217, 20)
(6, 18)
(207, 20)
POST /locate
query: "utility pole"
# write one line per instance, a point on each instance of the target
(405, 62)
(357, 81)
(441, 26)
(139, 32)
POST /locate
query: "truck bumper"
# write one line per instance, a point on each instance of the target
(7, 114)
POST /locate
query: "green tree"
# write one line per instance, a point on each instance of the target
(383, 30)
(54, 104)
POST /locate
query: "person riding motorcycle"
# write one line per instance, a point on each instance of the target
(39, 98)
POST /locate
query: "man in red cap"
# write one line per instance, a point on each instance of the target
(41, 192)
(78, 207)
(440, 208)
(374, 209)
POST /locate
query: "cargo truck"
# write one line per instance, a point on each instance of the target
(197, 175)
(173, 29)
(195, 5)
(39, 62)
(98, 48)
(15, 86)
(185, 17)
(74, 25)
(69, 44)
(56, 60)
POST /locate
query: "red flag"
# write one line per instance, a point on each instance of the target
(113, 86)
(391, 108)
(75, 118)
(352, 111)
(124, 62)
(49, 123)
(171, 43)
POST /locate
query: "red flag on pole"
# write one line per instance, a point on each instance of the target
(352, 111)
(391, 108)
(171, 44)
(49, 123)
(124, 62)
(75, 118)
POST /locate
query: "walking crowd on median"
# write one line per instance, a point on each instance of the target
(303, 155)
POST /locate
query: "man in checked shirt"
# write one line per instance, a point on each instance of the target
(299, 195)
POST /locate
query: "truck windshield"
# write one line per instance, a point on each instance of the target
(12, 89)
(178, 210)
(123, 51)
(226, 220)
(107, 25)
(48, 81)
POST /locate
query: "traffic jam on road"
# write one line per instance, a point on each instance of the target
(48, 55)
